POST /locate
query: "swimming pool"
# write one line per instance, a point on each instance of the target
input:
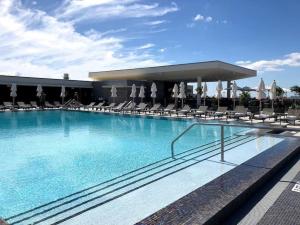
(48, 155)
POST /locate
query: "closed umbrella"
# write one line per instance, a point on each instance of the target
(133, 92)
(39, 92)
(219, 90)
(261, 92)
(234, 93)
(273, 93)
(153, 92)
(175, 93)
(142, 93)
(204, 92)
(13, 93)
(63, 94)
(182, 94)
(113, 92)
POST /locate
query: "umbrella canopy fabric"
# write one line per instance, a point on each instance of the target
(133, 91)
(113, 91)
(175, 91)
(13, 91)
(261, 90)
(273, 93)
(63, 92)
(182, 94)
(219, 89)
(39, 91)
(142, 92)
(204, 90)
(153, 90)
(234, 90)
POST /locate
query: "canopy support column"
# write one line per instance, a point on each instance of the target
(199, 85)
(228, 89)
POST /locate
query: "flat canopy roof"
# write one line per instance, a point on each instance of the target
(209, 71)
(47, 82)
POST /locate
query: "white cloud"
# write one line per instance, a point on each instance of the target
(79, 10)
(155, 23)
(289, 60)
(199, 17)
(34, 43)
(208, 19)
(162, 50)
(146, 46)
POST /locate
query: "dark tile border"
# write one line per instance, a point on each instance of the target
(216, 200)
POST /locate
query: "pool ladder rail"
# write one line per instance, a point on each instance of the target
(222, 125)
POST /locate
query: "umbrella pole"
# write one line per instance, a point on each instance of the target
(272, 104)
(218, 102)
(13, 102)
(204, 101)
(260, 105)
(182, 103)
(234, 103)
(153, 101)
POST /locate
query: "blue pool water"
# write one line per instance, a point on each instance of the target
(48, 155)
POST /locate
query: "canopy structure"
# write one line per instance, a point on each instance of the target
(208, 71)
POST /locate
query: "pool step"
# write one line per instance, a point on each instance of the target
(114, 181)
(79, 202)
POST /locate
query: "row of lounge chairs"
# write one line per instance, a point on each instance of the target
(239, 112)
(31, 105)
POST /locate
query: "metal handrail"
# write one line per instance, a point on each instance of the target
(222, 133)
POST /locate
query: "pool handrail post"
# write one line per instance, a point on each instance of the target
(222, 143)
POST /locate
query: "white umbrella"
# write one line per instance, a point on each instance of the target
(204, 91)
(133, 92)
(261, 92)
(153, 92)
(219, 90)
(113, 92)
(63, 93)
(175, 93)
(142, 93)
(234, 93)
(39, 91)
(182, 94)
(13, 92)
(273, 92)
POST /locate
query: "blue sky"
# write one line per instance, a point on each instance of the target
(47, 38)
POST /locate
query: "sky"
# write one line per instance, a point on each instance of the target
(46, 38)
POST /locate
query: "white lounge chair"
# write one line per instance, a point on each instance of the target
(22, 105)
(267, 113)
(168, 109)
(184, 111)
(202, 110)
(154, 109)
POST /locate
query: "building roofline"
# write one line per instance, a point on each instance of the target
(174, 65)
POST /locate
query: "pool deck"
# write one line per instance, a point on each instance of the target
(275, 201)
(213, 202)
